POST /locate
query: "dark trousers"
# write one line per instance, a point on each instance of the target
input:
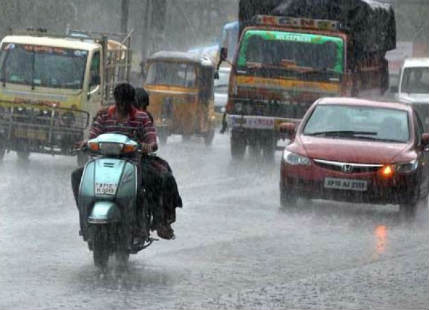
(160, 185)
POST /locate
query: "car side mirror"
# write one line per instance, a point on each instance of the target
(288, 130)
(216, 75)
(425, 139)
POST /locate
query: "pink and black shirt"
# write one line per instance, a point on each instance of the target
(107, 121)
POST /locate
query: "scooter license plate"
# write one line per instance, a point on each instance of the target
(105, 189)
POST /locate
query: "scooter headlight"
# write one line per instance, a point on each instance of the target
(295, 159)
(107, 148)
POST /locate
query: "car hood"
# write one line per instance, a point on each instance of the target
(352, 151)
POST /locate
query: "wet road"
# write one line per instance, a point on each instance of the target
(235, 247)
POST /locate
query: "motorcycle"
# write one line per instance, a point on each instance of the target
(109, 193)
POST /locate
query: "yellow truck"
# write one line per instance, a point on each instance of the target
(51, 86)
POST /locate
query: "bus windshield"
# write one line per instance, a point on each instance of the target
(292, 51)
(42, 66)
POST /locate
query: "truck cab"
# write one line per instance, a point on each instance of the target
(413, 87)
(414, 81)
(51, 86)
(281, 67)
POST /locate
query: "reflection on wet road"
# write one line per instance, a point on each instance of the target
(235, 247)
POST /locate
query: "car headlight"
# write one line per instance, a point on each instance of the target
(407, 167)
(295, 159)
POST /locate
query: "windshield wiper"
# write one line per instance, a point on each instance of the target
(340, 133)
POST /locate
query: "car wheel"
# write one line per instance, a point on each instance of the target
(408, 211)
(288, 200)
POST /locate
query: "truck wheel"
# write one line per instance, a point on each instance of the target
(288, 200)
(269, 148)
(162, 136)
(238, 147)
(2, 151)
(254, 151)
(23, 156)
(208, 137)
(186, 137)
(100, 247)
(82, 158)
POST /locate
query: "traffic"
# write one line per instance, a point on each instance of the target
(278, 168)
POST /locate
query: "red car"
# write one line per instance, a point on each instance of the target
(355, 150)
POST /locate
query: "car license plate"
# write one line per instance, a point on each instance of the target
(105, 189)
(346, 184)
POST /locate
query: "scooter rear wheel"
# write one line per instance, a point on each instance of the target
(100, 247)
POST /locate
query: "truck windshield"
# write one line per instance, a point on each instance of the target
(415, 80)
(171, 74)
(292, 51)
(42, 66)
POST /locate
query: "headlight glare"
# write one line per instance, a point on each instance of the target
(295, 159)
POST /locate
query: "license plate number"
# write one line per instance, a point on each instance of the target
(105, 189)
(346, 184)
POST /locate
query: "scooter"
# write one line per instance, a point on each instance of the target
(109, 194)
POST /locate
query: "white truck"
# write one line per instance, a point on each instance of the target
(413, 86)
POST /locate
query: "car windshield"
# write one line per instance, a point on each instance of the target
(415, 80)
(172, 74)
(358, 122)
(42, 66)
(291, 51)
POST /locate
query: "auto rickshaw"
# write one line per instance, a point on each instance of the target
(180, 87)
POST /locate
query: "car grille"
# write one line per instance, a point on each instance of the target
(347, 167)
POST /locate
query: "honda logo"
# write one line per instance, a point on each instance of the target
(347, 168)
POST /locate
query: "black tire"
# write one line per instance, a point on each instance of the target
(100, 247)
(163, 137)
(208, 137)
(186, 137)
(238, 148)
(82, 158)
(408, 211)
(2, 151)
(23, 155)
(122, 258)
(288, 200)
(269, 148)
(255, 151)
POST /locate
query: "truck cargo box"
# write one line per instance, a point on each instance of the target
(370, 23)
